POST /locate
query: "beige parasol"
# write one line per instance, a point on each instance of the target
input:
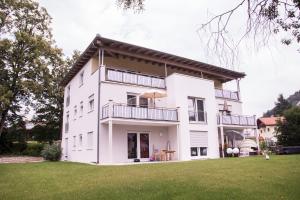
(153, 94)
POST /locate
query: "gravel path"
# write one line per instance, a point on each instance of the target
(20, 159)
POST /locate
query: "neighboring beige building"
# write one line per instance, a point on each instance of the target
(267, 128)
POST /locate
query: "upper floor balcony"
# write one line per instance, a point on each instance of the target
(237, 120)
(134, 78)
(119, 110)
(227, 94)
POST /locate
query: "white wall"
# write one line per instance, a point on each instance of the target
(158, 136)
(86, 123)
(180, 87)
(235, 105)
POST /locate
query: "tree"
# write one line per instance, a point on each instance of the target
(136, 5)
(264, 18)
(26, 52)
(50, 100)
(288, 131)
(281, 105)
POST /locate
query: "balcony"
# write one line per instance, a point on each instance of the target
(134, 78)
(227, 94)
(238, 120)
(117, 110)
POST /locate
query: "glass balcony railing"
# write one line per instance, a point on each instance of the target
(135, 78)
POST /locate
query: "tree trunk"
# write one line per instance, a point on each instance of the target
(3, 118)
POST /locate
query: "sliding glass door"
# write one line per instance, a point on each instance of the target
(138, 145)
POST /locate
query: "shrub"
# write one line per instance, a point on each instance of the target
(51, 152)
(33, 149)
(18, 147)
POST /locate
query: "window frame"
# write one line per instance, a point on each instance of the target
(89, 140)
(81, 78)
(195, 110)
(91, 99)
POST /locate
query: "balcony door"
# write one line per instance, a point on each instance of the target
(138, 145)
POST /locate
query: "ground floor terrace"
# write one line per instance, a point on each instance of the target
(127, 141)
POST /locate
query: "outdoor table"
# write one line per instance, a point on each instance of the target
(169, 154)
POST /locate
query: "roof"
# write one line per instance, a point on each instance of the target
(268, 121)
(115, 48)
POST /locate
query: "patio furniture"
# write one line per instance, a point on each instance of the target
(168, 154)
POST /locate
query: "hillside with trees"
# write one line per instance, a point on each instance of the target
(283, 104)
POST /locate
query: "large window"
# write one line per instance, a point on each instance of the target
(131, 100)
(143, 102)
(134, 100)
(196, 109)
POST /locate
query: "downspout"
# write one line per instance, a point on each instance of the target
(100, 62)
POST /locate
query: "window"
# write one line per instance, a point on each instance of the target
(68, 96)
(81, 75)
(89, 140)
(131, 100)
(196, 109)
(74, 141)
(198, 143)
(80, 140)
(198, 151)
(81, 109)
(268, 129)
(75, 112)
(143, 102)
(91, 103)
(67, 122)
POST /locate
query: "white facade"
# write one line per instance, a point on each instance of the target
(109, 130)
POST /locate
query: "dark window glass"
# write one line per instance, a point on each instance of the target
(194, 151)
(131, 100)
(203, 151)
(144, 145)
(191, 109)
(132, 145)
(200, 110)
(143, 102)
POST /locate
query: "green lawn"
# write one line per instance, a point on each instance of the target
(233, 178)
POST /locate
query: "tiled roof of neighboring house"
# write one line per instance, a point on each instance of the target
(268, 121)
(116, 48)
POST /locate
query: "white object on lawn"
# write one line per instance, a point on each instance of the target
(267, 157)
(229, 150)
(236, 151)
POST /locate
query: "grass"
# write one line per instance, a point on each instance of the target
(233, 178)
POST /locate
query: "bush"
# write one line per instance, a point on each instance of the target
(51, 152)
(33, 149)
(18, 147)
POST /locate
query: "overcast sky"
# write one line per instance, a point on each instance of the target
(170, 26)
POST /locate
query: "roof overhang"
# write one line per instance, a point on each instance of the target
(116, 48)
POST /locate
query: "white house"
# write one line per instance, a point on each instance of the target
(267, 129)
(108, 119)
